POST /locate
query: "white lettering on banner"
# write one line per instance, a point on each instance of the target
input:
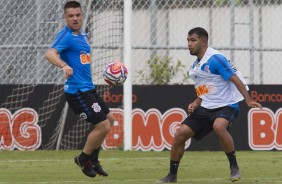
(151, 130)
(19, 130)
(265, 129)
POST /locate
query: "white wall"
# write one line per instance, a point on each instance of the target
(219, 27)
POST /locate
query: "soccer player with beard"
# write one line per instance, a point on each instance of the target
(220, 88)
(71, 52)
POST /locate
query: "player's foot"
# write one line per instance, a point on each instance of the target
(234, 173)
(170, 178)
(98, 168)
(86, 167)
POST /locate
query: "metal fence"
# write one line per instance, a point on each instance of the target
(246, 31)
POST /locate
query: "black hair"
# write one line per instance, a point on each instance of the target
(201, 32)
(72, 4)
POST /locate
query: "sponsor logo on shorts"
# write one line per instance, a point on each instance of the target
(83, 115)
(96, 107)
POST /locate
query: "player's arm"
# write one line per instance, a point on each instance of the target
(194, 105)
(52, 56)
(220, 65)
(241, 87)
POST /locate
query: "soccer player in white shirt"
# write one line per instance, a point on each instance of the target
(219, 87)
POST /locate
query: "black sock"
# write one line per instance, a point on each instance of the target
(173, 167)
(95, 155)
(83, 157)
(232, 158)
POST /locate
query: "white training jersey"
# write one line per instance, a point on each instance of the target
(211, 75)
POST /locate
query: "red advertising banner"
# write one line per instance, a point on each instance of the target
(34, 122)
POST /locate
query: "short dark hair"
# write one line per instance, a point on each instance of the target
(201, 32)
(72, 4)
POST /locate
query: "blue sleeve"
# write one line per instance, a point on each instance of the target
(219, 65)
(61, 42)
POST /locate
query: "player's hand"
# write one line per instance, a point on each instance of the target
(192, 107)
(253, 104)
(67, 71)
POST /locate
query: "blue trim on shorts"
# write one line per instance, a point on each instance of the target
(236, 106)
(87, 111)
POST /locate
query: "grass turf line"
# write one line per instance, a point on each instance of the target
(124, 167)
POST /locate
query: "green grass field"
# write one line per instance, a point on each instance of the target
(135, 167)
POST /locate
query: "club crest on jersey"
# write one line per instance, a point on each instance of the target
(207, 69)
(96, 107)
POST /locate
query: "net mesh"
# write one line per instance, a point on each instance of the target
(105, 31)
(27, 30)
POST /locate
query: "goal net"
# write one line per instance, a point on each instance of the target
(33, 113)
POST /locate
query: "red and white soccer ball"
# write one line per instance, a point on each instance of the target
(115, 73)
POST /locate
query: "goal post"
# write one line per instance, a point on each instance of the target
(128, 85)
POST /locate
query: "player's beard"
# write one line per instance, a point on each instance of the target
(192, 53)
(76, 26)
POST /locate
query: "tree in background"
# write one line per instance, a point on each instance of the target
(162, 70)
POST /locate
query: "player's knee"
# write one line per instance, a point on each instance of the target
(107, 126)
(219, 129)
(112, 121)
(104, 126)
(111, 118)
(180, 137)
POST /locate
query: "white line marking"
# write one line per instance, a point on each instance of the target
(208, 180)
(136, 158)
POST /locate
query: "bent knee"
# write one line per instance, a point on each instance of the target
(111, 118)
(219, 129)
(183, 134)
(108, 126)
(104, 126)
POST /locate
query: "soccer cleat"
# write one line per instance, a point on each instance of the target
(234, 173)
(86, 167)
(98, 168)
(170, 178)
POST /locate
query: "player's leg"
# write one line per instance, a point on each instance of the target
(96, 136)
(94, 139)
(178, 146)
(85, 105)
(220, 127)
(186, 130)
(196, 125)
(95, 154)
(182, 134)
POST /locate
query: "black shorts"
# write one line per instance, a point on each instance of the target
(201, 121)
(88, 105)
